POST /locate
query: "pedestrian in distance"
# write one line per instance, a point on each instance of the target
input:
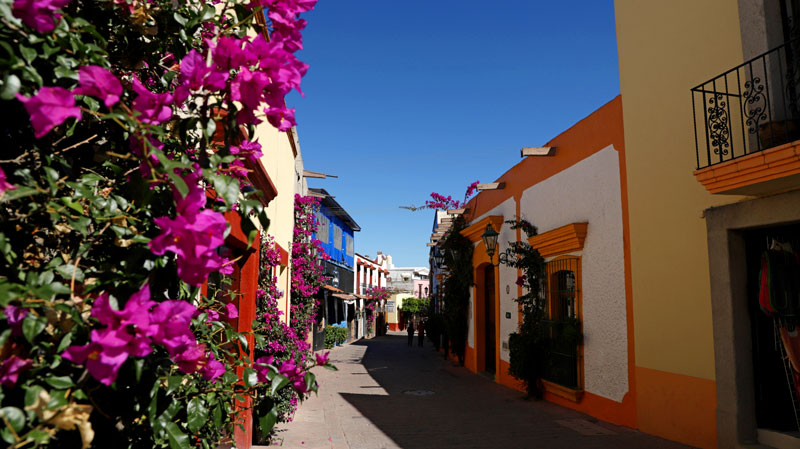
(410, 331)
(421, 332)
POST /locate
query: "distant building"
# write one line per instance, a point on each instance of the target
(404, 283)
(335, 231)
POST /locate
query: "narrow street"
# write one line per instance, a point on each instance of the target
(387, 395)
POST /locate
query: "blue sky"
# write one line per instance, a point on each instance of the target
(405, 98)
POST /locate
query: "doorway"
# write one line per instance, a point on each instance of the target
(489, 320)
(774, 380)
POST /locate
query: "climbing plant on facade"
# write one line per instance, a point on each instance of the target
(530, 348)
(458, 281)
(125, 142)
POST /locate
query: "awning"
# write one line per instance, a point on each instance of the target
(332, 289)
(344, 296)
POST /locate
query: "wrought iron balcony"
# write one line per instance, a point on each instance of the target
(750, 108)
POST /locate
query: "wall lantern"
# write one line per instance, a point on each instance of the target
(490, 240)
(438, 258)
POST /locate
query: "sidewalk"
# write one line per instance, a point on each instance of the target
(387, 395)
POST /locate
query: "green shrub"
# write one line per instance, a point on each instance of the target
(334, 336)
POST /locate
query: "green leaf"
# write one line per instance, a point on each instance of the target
(208, 12)
(248, 227)
(4, 337)
(10, 87)
(267, 422)
(216, 415)
(137, 366)
(180, 19)
(30, 74)
(63, 72)
(264, 220)
(19, 192)
(28, 54)
(330, 367)
(68, 270)
(31, 394)
(243, 341)
(32, 326)
(60, 382)
(58, 398)
(197, 413)
(14, 416)
(278, 382)
(173, 382)
(177, 439)
(311, 382)
(227, 188)
(250, 377)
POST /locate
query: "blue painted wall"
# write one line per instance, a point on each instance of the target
(337, 255)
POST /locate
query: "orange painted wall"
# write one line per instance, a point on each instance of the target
(595, 132)
(601, 128)
(685, 400)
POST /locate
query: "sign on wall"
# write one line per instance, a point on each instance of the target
(390, 306)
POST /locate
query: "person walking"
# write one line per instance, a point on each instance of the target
(421, 330)
(410, 331)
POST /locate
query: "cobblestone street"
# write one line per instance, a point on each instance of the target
(387, 395)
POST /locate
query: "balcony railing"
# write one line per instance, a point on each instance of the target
(749, 108)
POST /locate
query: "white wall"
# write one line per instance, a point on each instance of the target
(589, 191)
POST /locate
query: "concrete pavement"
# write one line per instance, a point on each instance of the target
(387, 395)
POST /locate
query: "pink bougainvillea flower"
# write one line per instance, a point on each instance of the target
(228, 54)
(212, 369)
(251, 150)
(11, 368)
(193, 235)
(195, 74)
(50, 107)
(247, 87)
(170, 321)
(194, 242)
(262, 367)
(281, 117)
(521, 281)
(153, 108)
(322, 359)
(231, 311)
(103, 362)
(39, 14)
(14, 316)
(99, 82)
(5, 185)
(190, 357)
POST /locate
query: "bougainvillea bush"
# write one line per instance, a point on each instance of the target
(125, 139)
(276, 338)
(308, 274)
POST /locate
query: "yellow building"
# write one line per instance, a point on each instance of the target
(283, 162)
(712, 176)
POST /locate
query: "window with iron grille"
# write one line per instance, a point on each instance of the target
(337, 237)
(563, 314)
(349, 241)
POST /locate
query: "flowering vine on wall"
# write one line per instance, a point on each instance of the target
(308, 274)
(125, 142)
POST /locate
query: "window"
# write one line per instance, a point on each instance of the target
(565, 367)
(322, 228)
(337, 237)
(349, 239)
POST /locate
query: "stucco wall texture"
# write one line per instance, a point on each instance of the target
(558, 201)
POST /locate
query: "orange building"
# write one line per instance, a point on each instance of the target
(573, 191)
